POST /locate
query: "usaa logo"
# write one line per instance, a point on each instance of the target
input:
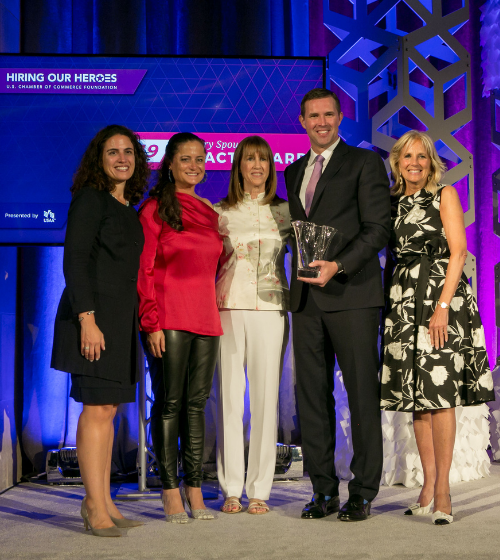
(49, 216)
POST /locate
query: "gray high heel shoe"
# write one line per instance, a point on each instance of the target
(126, 523)
(107, 532)
(180, 518)
(196, 513)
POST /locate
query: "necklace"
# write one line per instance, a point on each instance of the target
(127, 203)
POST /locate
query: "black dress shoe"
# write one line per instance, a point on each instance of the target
(355, 509)
(319, 507)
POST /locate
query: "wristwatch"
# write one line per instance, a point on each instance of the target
(340, 267)
(443, 304)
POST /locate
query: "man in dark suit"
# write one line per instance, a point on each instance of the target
(337, 315)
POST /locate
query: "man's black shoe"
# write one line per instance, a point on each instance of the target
(355, 509)
(319, 507)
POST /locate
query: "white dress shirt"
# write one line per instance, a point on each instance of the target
(252, 272)
(327, 154)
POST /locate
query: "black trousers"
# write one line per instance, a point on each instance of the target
(181, 381)
(352, 337)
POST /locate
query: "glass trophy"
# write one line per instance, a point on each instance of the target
(312, 244)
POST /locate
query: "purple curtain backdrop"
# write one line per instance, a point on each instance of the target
(476, 137)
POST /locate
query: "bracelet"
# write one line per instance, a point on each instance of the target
(88, 313)
(443, 304)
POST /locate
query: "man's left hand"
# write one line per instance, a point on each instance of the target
(327, 272)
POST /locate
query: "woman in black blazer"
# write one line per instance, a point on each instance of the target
(96, 329)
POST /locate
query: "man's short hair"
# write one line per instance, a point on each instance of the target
(318, 93)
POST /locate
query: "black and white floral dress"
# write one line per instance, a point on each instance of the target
(417, 377)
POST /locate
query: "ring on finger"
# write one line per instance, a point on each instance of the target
(86, 347)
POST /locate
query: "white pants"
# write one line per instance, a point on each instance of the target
(253, 339)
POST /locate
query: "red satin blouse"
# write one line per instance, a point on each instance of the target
(176, 282)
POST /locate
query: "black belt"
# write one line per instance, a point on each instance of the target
(426, 259)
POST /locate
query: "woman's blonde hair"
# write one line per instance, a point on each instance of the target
(251, 145)
(437, 166)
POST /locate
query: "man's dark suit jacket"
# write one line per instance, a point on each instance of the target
(352, 195)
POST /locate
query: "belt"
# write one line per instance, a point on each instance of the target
(434, 250)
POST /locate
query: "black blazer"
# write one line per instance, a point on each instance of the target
(104, 241)
(352, 195)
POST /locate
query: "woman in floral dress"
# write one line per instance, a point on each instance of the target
(252, 296)
(434, 346)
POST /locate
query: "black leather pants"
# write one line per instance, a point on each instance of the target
(181, 381)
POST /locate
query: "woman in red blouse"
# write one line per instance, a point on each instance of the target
(178, 312)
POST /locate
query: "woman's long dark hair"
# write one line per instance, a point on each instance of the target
(91, 173)
(169, 208)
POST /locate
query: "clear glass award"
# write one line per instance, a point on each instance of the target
(312, 244)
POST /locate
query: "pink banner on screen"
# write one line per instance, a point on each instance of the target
(220, 147)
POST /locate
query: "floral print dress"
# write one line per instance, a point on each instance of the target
(416, 376)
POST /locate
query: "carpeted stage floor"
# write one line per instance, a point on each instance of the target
(43, 522)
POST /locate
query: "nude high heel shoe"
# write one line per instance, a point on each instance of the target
(126, 523)
(107, 532)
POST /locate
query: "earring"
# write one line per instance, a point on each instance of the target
(205, 177)
(401, 180)
(170, 176)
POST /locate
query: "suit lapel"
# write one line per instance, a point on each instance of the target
(300, 174)
(336, 162)
(297, 183)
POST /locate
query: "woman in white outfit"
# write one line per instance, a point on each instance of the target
(252, 296)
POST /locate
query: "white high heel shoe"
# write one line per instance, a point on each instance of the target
(440, 518)
(415, 509)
